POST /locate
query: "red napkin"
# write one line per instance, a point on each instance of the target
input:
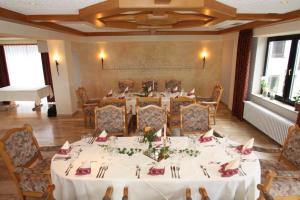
(229, 172)
(64, 151)
(109, 95)
(245, 152)
(205, 139)
(83, 171)
(156, 171)
(101, 139)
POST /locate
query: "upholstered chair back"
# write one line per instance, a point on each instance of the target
(111, 119)
(291, 148)
(176, 103)
(126, 83)
(152, 84)
(152, 116)
(171, 84)
(217, 93)
(194, 118)
(146, 101)
(20, 147)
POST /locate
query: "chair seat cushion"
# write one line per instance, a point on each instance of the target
(285, 187)
(41, 166)
(34, 182)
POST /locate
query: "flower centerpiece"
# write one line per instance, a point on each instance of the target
(149, 136)
(145, 90)
(297, 101)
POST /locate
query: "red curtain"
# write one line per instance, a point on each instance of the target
(4, 81)
(242, 72)
(47, 73)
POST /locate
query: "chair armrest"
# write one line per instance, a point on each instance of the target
(267, 150)
(198, 98)
(50, 148)
(208, 102)
(95, 100)
(28, 171)
(90, 104)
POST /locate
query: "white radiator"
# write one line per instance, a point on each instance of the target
(272, 124)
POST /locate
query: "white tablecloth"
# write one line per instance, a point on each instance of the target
(122, 168)
(165, 99)
(11, 93)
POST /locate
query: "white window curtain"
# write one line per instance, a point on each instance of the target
(24, 65)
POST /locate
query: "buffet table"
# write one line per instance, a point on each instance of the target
(122, 170)
(12, 93)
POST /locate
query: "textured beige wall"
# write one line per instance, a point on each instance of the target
(155, 60)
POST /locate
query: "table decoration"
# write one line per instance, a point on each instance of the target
(230, 168)
(153, 171)
(189, 152)
(102, 137)
(208, 136)
(109, 94)
(129, 152)
(192, 92)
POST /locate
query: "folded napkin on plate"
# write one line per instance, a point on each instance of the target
(102, 137)
(84, 169)
(192, 92)
(150, 94)
(153, 171)
(110, 93)
(175, 89)
(230, 168)
(126, 90)
(122, 96)
(246, 148)
(158, 135)
(65, 149)
(208, 136)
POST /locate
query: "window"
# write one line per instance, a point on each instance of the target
(282, 67)
(24, 65)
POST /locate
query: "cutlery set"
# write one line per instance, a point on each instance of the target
(204, 170)
(92, 140)
(68, 169)
(174, 170)
(242, 172)
(101, 171)
(138, 172)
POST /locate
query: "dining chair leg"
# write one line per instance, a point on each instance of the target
(125, 193)
(188, 194)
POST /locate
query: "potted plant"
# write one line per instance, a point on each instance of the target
(297, 101)
(264, 86)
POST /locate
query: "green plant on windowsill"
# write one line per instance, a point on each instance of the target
(264, 86)
(297, 101)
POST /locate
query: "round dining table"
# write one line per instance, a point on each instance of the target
(191, 164)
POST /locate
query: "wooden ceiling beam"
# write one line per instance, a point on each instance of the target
(53, 18)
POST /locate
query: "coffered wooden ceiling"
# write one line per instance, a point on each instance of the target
(146, 17)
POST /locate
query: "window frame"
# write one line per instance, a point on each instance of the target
(290, 68)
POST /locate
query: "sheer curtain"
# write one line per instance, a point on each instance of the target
(24, 65)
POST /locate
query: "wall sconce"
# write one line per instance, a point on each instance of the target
(203, 56)
(102, 57)
(56, 60)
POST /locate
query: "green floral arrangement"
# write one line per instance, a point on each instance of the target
(163, 153)
(297, 98)
(190, 152)
(129, 152)
(145, 90)
(149, 136)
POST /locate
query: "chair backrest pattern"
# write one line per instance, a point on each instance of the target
(176, 103)
(82, 96)
(114, 101)
(195, 117)
(291, 149)
(110, 118)
(217, 93)
(152, 116)
(146, 101)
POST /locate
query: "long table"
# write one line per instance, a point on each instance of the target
(122, 171)
(12, 93)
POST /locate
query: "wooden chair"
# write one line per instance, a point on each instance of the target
(203, 193)
(271, 188)
(108, 193)
(123, 84)
(194, 118)
(174, 114)
(125, 193)
(171, 84)
(87, 105)
(213, 101)
(29, 171)
(151, 116)
(151, 83)
(188, 194)
(146, 101)
(112, 119)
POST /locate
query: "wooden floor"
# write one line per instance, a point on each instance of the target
(55, 131)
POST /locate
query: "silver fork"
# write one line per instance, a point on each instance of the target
(105, 168)
(139, 173)
(71, 166)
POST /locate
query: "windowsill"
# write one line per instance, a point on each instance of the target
(276, 102)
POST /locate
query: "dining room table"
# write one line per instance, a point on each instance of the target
(131, 98)
(122, 162)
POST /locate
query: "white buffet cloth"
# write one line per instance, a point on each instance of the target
(12, 93)
(122, 169)
(165, 99)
